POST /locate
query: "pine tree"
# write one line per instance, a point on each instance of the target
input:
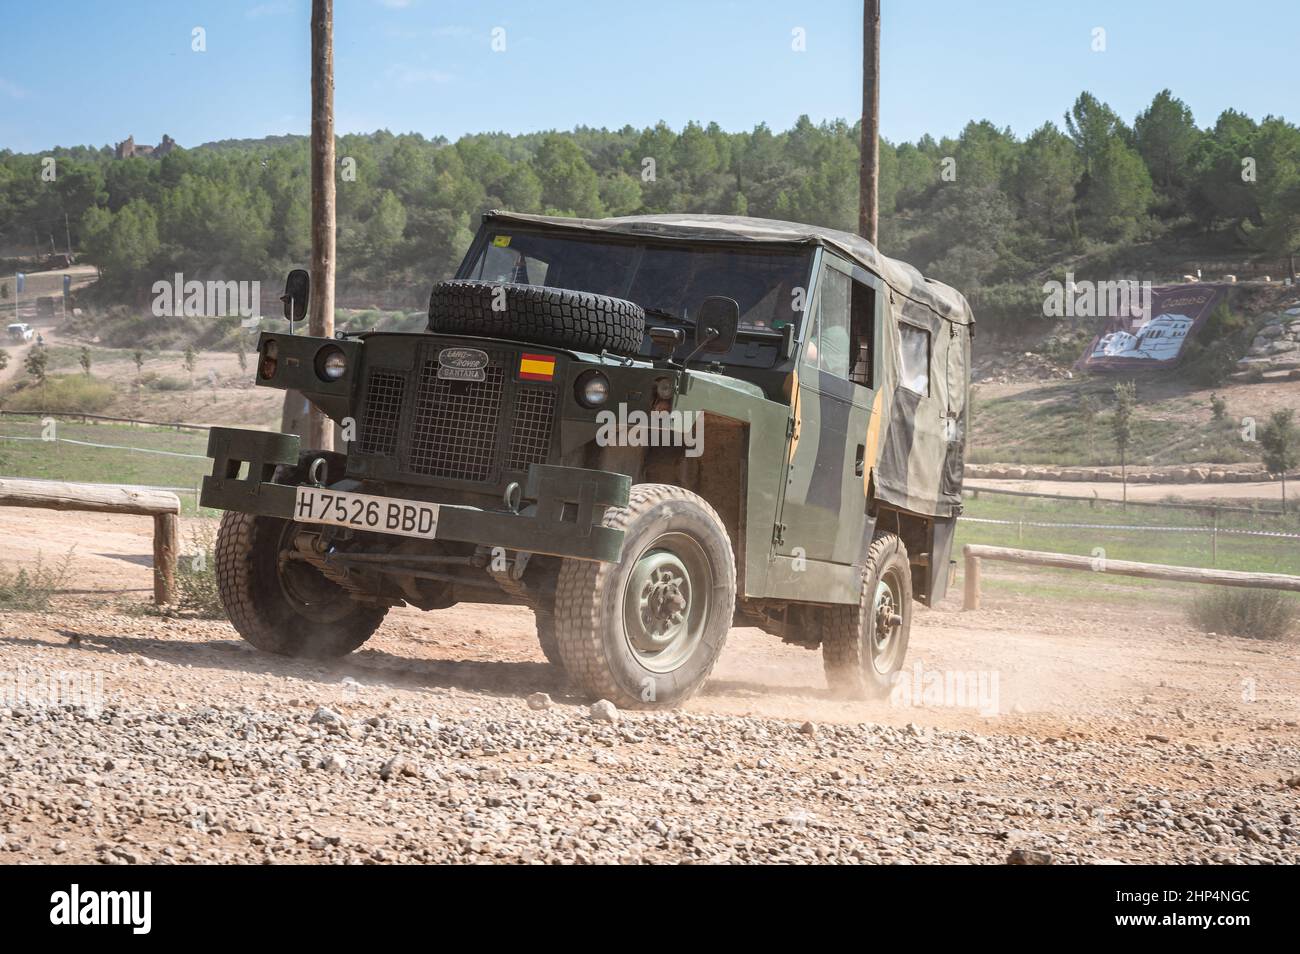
(1279, 439)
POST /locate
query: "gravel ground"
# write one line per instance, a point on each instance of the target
(1114, 733)
(210, 752)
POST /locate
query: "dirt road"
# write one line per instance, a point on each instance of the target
(1081, 733)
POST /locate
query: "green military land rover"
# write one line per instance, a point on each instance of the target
(647, 429)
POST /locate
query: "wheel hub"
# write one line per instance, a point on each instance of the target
(666, 602)
(307, 590)
(886, 622)
(663, 598)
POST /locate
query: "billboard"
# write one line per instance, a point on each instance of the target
(1128, 342)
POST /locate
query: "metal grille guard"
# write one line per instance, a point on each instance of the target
(559, 515)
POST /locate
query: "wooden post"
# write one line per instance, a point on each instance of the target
(869, 146)
(971, 593)
(162, 505)
(320, 312)
(164, 558)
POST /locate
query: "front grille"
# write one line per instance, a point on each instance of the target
(471, 431)
(454, 431)
(384, 394)
(530, 433)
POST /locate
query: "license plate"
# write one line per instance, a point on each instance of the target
(406, 518)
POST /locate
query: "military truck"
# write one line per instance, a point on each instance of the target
(647, 429)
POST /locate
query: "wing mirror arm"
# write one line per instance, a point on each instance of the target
(702, 343)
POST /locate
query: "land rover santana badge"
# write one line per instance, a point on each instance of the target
(462, 364)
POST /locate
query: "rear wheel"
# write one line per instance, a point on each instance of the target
(282, 605)
(646, 632)
(864, 645)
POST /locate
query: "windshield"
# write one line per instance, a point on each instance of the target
(669, 279)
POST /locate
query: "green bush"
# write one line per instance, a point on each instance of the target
(1254, 614)
(1220, 343)
(31, 589)
(72, 393)
(1067, 347)
(163, 382)
(196, 579)
(1008, 309)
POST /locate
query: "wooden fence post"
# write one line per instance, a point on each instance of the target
(971, 591)
(164, 558)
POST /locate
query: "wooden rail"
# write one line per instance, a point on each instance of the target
(162, 505)
(975, 553)
(974, 492)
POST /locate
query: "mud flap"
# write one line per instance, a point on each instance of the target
(940, 553)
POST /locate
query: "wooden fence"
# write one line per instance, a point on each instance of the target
(975, 553)
(163, 506)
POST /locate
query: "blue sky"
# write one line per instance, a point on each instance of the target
(84, 72)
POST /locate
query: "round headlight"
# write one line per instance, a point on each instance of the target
(593, 389)
(332, 364)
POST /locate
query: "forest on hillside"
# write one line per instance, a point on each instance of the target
(991, 213)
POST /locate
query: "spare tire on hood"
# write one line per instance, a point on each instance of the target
(537, 314)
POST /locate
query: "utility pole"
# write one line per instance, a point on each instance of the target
(320, 312)
(869, 168)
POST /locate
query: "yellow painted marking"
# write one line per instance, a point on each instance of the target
(872, 450)
(794, 410)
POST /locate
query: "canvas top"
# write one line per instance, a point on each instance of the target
(900, 276)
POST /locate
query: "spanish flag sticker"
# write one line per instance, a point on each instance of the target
(536, 367)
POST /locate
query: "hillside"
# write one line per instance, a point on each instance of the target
(992, 214)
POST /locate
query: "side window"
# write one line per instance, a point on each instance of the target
(914, 358)
(863, 327)
(828, 343)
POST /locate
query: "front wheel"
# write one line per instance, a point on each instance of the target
(546, 638)
(281, 605)
(863, 645)
(645, 633)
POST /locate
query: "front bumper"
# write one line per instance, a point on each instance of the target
(559, 514)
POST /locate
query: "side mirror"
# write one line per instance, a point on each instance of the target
(716, 325)
(297, 291)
